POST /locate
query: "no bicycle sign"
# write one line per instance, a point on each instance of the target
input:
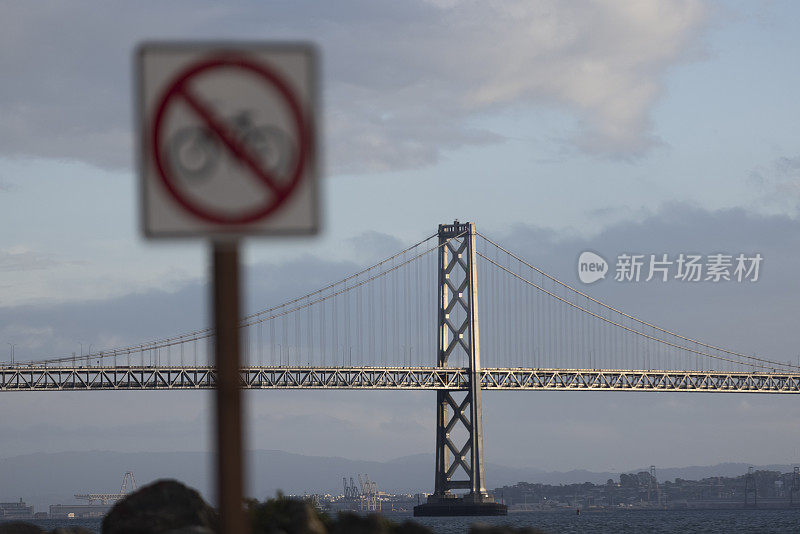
(227, 150)
(227, 139)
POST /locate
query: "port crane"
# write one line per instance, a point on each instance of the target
(369, 493)
(351, 492)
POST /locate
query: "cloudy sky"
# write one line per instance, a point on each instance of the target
(656, 127)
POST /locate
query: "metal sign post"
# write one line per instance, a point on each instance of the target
(225, 299)
(227, 150)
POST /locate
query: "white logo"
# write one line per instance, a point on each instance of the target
(591, 267)
(683, 267)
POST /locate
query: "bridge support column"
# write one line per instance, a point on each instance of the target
(459, 424)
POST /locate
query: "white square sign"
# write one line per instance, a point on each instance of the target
(228, 139)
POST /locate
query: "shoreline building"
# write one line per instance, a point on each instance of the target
(15, 510)
(78, 511)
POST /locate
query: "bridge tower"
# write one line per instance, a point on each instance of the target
(459, 463)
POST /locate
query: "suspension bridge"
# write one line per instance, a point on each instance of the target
(411, 322)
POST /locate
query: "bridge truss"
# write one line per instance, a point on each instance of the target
(36, 378)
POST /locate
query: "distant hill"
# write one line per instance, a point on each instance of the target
(44, 479)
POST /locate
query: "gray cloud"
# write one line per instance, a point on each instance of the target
(25, 260)
(403, 81)
(373, 246)
(130, 319)
(728, 314)
(717, 313)
(778, 183)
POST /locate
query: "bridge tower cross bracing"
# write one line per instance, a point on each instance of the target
(458, 333)
(459, 466)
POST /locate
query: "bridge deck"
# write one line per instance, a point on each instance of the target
(32, 378)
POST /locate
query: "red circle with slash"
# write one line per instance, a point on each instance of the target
(178, 90)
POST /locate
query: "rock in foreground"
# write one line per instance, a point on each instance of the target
(18, 527)
(161, 507)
